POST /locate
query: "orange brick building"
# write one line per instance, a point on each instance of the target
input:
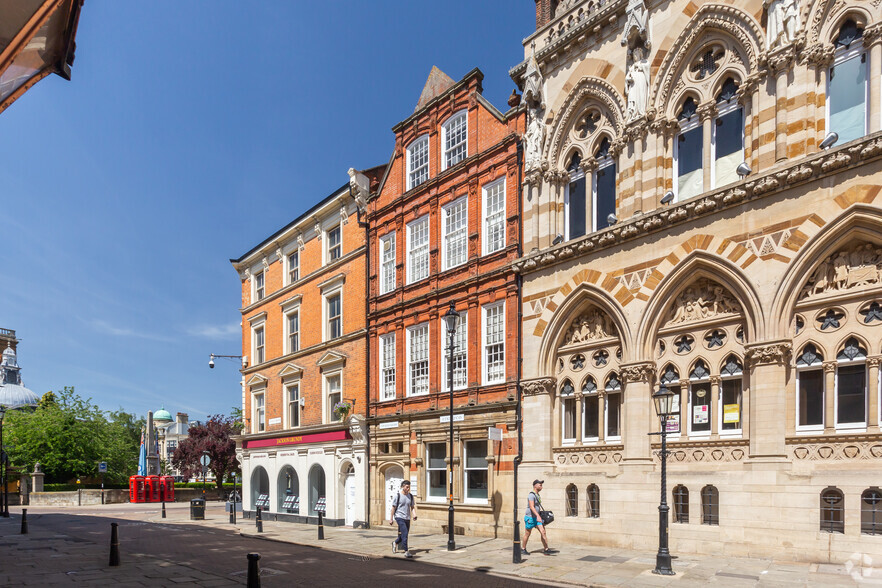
(444, 228)
(303, 347)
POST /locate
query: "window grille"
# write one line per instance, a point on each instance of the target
(572, 500)
(832, 511)
(710, 506)
(593, 495)
(681, 504)
(871, 512)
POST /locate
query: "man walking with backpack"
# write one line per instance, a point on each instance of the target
(533, 518)
(403, 506)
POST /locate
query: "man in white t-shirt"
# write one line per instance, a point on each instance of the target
(403, 506)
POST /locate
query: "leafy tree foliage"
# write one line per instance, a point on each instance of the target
(69, 436)
(215, 437)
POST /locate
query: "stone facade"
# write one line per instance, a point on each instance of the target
(752, 291)
(444, 230)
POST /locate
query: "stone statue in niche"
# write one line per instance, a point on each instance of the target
(564, 6)
(782, 22)
(637, 84)
(535, 140)
(590, 326)
(704, 299)
(852, 267)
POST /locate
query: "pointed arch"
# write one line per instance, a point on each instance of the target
(568, 310)
(859, 221)
(700, 264)
(731, 21)
(589, 90)
(822, 18)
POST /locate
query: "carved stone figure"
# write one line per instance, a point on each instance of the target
(637, 84)
(590, 326)
(535, 140)
(564, 6)
(704, 299)
(782, 23)
(854, 266)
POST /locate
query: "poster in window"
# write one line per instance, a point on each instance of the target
(731, 413)
(700, 414)
(673, 424)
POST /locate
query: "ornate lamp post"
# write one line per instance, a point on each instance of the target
(4, 504)
(451, 319)
(664, 400)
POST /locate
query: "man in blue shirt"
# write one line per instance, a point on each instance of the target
(403, 506)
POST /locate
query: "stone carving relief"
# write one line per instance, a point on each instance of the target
(637, 84)
(774, 353)
(603, 454)
(592, 325)
(535, 141)
(823, 450)
(783, 22)
(703, 300)
(637, 25)
(852, 267)
(687, 453)
(540, 386)
(643, 372)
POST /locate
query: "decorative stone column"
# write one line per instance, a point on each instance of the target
(531, 185)
(601, 410)
(779, 65)
(580, 418)
(768, 363)
(872, 38)
(819, 57)
(706, 113)
(716, 402)
(638, 411)
(37, 478)
(538, 429)
(829, 396)
(873, 389)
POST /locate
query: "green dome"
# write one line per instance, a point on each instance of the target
(162, 415)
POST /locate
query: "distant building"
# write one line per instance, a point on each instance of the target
(13, 393)
(170, 433)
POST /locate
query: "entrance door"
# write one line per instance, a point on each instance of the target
(349, 493)
(394, 476)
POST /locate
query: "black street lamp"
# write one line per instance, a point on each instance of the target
(451, 319)
(233, 505)
(4, 506)
(204, 471)
(664, 401)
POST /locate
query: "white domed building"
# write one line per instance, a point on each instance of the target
(13, 393)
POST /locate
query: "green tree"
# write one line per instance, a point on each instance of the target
(70, 436)
(215, 437)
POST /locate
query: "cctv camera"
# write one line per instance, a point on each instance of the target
(612, 219)
(211, 362)
(668, 197)
(829, 140)
(743, 170)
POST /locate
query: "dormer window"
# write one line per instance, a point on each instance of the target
(418, 162)
(454, 135)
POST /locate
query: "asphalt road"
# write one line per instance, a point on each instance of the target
(214, 556)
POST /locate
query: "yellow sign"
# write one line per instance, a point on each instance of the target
(731, 413)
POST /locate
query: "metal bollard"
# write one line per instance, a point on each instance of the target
(163, 510)
(114, 544)
(258, 521)
(24, 521)
(321, 527)
(516, 549)
(253, 570)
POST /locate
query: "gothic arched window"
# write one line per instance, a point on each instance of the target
(700, 401)
(603, 186)
(590, 410)
(727, 142)
(568, 412)
(809, 389)
(730, 394)
(613, 397)
(689, 153)
(851, 385)
(847, 85)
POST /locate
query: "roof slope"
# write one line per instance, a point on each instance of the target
(437, 83)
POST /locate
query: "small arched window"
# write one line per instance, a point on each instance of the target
(572, 500)
(809, 389)
(681, 504)
(593, 495)
(454, 140)
(603, 186)
(832, 510)
(710, 505)
(847, 84)
(568, 412)
(851, 385)
(613, 399)
(871, 511)
(418, 162)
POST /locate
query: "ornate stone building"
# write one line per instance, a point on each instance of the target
(687, 223)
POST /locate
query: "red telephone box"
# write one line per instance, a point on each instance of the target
(167, 487)
(136, 489)
(153, 489)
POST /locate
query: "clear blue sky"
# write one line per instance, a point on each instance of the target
(190, 132)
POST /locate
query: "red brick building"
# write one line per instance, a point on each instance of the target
(444, 228)
(303, 344)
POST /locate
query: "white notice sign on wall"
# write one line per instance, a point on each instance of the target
(494, 434)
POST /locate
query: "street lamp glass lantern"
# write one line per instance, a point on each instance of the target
(451, 317)
(664, 401)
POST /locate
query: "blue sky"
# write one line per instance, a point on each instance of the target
(189, 132)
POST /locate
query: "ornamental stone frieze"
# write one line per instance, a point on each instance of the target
(839, 448)
(703, 452)
(638, 372)
(538, 386)
(595, 455)
(816, 168)
(769, 353)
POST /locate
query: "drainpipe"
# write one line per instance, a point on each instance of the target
(367, 352)
(516, 546)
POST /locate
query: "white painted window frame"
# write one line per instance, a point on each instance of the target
(447, 235)
(418, 142)
(485, 344)
(486, 223)
(445, 128)
(462, 328)
(386, 341)
(388, 280)
(411, 256)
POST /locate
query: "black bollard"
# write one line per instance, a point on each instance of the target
(258, 521)
(253, 570)
(163, 510)
(24, 521)
(321, 527)
(516, 549)
(232, 512)
(114, 545)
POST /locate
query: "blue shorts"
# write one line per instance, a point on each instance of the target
(531, 523)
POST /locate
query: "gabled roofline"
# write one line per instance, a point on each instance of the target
(476, 72)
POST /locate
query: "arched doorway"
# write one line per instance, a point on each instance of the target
(288, 485)
(316, 487)
(393, 477)
(259, 484)
(349, 494)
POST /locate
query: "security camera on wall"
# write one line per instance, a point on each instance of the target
(244, 361)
